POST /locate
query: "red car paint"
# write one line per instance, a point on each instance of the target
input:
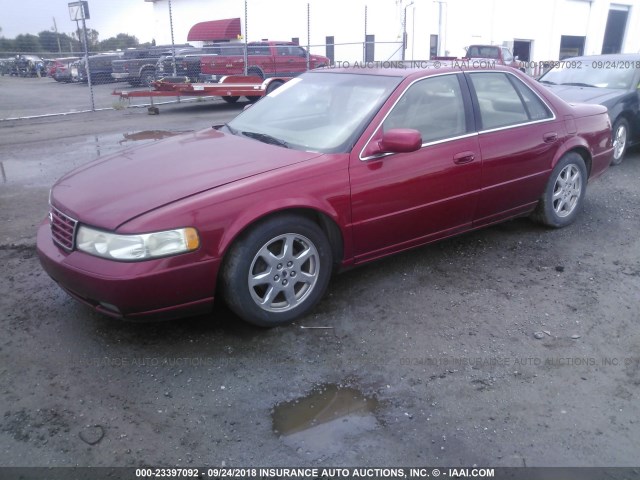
(222, 184)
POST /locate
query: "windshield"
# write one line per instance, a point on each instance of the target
(483, 52)
(589, 76)
(321, 112)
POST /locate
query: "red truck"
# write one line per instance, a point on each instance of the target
(265, 59)
(495, 53)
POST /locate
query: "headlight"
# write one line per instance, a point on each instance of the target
(137, 247)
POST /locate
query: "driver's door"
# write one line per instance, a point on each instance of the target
(406, 199)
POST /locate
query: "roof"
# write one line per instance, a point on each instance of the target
(227, 29)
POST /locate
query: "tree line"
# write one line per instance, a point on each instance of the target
(53, 42)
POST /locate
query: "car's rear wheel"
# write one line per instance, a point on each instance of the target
(148, 75)
(275, 84)
(277, 271)
(620, 135)
(256, 72)
(564, 193)
(230, 99)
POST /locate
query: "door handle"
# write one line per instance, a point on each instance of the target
(550, 137)
(464, 157)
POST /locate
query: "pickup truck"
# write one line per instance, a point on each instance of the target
(188, 60)
(138, 66)
(500, 55)
(264, 59)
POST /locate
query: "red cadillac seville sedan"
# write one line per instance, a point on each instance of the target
(334, 169)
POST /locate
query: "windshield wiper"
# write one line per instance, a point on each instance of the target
(232, 131)
(548, 82)
(578, 84)
(265, 138)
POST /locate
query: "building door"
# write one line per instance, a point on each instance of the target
(369, 48)
(615, 30)
(522, 50)
(433, 46)
(571, 46)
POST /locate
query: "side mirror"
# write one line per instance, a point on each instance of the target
(400, 140)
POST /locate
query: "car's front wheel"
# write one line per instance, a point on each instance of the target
(620, 134)
(277, 271)
(564, 193)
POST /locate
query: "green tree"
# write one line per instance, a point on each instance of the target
(121, 41)
(7, 45)
(49, 41)
(27, 43)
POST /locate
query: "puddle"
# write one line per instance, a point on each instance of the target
(147, 135)
(40, 165)
(320, 422)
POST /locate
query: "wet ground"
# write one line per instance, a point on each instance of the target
(428, 357)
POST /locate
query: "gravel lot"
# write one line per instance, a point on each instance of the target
(427, 358)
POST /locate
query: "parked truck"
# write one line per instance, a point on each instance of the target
(138, 66)
(264, 60)
(497, 54)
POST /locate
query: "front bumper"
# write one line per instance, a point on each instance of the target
(121, 76)
(163, 288)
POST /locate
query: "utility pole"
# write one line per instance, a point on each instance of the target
(55, 29)
(404, 32)
(440, 27)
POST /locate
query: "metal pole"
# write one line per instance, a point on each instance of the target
(404, 33)
(413, 32)
(55, 28)
(308, 36)
(86, 61)
(173, 45)
(440, 38)
(246, 53)
(364, 45)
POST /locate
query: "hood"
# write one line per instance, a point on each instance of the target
(574, 94)
(108, 192)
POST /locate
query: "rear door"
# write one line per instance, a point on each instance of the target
(406, 199)
(519, 136)
(290, 60)
(260, 57)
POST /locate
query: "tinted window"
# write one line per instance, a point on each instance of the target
(258, 50)
(536, 109)
(499, 102)
(433, 106)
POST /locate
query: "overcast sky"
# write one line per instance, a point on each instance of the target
(108, 17)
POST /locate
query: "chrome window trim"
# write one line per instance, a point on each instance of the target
(364, 159)
(515, 125)
(426, 144)
(449, 139)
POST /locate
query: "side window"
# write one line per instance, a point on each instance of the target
(506, 55)
(258, 50)
(499, 102)
(433, 106)
(536, 109)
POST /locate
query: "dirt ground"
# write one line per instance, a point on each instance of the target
(426, 358)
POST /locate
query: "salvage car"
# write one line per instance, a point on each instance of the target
(335, 168)
(609, 80)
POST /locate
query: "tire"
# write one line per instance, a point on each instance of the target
(620, 132)
(255, 72)
(563, 196)
(274, 85)
(147, 76)
(230, 99)
(277, 271)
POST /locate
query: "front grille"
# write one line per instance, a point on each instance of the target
(63, 229)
